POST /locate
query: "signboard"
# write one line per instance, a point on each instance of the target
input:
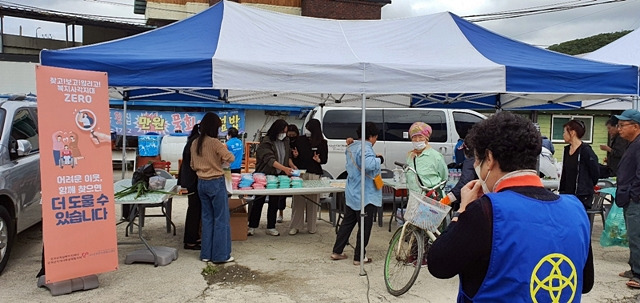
(78, 210)
(140, 122)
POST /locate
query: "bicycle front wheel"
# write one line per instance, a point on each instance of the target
(404, 260)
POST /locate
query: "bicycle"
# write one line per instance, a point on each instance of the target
(407, 246)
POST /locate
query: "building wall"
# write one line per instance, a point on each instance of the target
(342, 9)
(600, 134)
(17, 77)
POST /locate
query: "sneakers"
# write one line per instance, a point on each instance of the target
(293, 231)
(251, 231)
(272, 232)
(205, 260)
(279, 219)
(231, 259)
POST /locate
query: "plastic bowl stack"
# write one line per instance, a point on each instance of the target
(284, 181)
(235, 180)
(272, 182)
(296, 182)
(245, 182)
(259, 180)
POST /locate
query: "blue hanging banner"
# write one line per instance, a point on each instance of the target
(141, 122)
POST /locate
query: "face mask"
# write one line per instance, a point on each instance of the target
(282, 136)
(420, 145)
(308, 134)
(485, 188)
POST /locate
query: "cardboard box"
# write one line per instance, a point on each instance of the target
(238, 219)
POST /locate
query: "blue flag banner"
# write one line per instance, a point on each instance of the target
(141, 122)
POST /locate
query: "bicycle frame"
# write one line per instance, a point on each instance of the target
(430, 191)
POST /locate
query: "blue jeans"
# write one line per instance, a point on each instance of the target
(216, 232)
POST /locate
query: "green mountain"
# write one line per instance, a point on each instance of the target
(586, 45)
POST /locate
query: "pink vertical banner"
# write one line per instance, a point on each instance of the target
(78, 209)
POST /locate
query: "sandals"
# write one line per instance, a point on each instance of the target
(336, 257)
(634, 283)
(626, 274)
(367, 260)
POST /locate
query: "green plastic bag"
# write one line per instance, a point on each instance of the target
(615, 230)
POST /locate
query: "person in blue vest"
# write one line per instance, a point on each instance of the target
(234, 144)
(512, 240)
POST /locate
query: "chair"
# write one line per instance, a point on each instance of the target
(387, 193)
(597, 208)
(162, 170)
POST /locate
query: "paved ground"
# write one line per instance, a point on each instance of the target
(268, 269)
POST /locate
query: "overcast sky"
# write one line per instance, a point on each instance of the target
(542, 30)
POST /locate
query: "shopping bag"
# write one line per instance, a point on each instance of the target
(377, 181)
(615, 230)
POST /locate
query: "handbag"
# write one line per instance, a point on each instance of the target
(377, 180)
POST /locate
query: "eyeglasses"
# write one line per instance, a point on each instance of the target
(621, 125)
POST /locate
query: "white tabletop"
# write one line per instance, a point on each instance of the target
(309, 187)
(149, 198)
(394, 185)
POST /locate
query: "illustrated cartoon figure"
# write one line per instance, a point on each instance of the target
(73, 145)
(58, 146)
(66, 157)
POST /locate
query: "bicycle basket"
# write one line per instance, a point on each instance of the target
(425, 212)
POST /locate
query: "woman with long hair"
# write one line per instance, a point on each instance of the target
(189, 180)
(272, 158)
(580, 168)
(310, 152)
(208, 156)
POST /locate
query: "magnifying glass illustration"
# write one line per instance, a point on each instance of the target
(86, 120)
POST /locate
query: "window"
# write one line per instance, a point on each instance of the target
(24, 128)
(464, 122)
(397, 123)
(342, 124)
(558, 121)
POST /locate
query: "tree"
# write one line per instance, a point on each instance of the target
(587, 45)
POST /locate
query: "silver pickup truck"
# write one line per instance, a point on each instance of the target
(20, 194)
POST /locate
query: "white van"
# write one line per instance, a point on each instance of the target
(339, 123)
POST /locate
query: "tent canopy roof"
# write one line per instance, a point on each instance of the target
(236, 47)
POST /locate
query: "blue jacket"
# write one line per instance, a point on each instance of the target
(372, 169)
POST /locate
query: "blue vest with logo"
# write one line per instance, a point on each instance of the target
(235, 147)
(538, 252)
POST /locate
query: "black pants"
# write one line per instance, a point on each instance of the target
(351, 218)
(256, 211)
(282, 202)
(587, 200)
(192, 221)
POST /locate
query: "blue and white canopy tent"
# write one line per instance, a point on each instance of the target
(243, 49)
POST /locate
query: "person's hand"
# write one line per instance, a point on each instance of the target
(469, 193)
(349, 141)
(605, 148)
(316, 157)
(288, 171)
(294, 151)
(98, 137)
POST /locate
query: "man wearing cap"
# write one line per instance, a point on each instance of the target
(628, 191)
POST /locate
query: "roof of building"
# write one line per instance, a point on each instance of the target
(70, 18)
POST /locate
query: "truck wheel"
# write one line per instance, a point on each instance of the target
(6, 236)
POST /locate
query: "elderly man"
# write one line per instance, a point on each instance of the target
(628, 192)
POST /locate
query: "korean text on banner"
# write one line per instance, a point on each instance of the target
(78, 210)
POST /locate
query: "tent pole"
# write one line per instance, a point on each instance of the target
(125, 98)
(362, 180)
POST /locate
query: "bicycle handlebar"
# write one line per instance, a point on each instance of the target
(406, 167)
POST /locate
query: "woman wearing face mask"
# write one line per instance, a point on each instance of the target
(580, 168)
(510, 233)
(292, 134)
(310, 152)
(428, 162)
(272, 158)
